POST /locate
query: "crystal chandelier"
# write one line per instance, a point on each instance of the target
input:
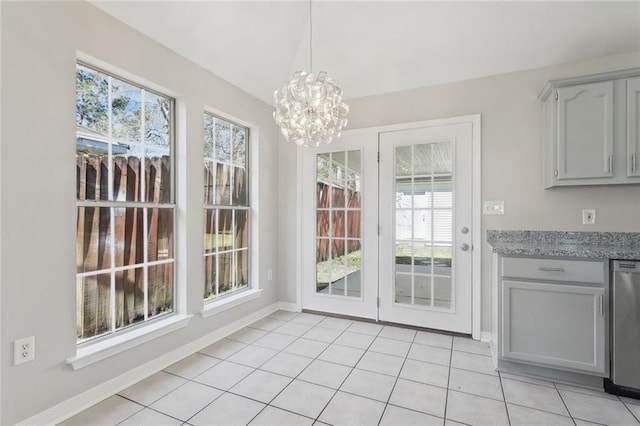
(309, 108)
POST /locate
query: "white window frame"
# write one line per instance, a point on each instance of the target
(95, 345)
(213, 306)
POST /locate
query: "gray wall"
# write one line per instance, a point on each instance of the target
(37, 187)
(511, 157)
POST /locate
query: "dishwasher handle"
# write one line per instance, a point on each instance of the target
(632, 266)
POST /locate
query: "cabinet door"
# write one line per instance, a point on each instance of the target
(584, 139)
(554, 325)
(633, 126)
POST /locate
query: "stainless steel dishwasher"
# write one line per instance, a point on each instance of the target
(625, 329)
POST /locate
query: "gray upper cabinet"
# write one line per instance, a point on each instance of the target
(584, 139)
(633, 126)
(591, 129)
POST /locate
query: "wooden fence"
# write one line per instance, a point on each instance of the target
(340, 215)
(221, 190)
(94, 243)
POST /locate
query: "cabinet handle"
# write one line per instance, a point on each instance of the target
(610, 163)
(601, 304)
(633, 162)
(550, 269)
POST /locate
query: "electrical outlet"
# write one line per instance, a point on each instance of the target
(589, 216)
(24, 350)
(269, 274)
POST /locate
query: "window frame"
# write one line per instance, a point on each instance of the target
(124, 333)
(239, 295)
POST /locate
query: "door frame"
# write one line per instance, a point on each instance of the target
(372, 136)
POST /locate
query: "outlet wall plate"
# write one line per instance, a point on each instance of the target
(24, 350)
(493, 207)
(589, 216)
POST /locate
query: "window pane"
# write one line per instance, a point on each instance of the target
(223, 141)
(160, 289)
(210, 220)
(157, 120)
(322, 223)
(127, 176)
(337, 197)
(225, 229)
(209, 183)
(322, 195)
(208, 137)
(422, 290)
(338, 167)
(129, 296)
(241, 229)
(92, 105)
(93, 242)
(239, 187)
(160, 234)
(223, 184)
(337, 224)
(353, 224)
(239, 146)
(126, 110)
(210, 276)
(92, 173)
(225, 265)
(93, 305)
(403, 161)
(129, 227)
(158, 176)
(242, 268)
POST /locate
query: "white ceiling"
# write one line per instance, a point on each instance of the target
(375, 47)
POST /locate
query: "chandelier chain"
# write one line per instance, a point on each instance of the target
(310, 38)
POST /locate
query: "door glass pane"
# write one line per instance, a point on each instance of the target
(424, 224)
(338, 223)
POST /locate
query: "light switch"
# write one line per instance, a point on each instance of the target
(493, 207)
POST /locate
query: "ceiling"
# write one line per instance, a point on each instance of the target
(375, 47)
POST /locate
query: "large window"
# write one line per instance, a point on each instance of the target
(226, 200)
(125, 222)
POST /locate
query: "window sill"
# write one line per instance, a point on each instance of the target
(98, 351)
(213, 308)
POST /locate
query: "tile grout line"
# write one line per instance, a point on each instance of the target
(506, 407)
(446, 397)
(397, 378)
(628, 409)
(564, 403)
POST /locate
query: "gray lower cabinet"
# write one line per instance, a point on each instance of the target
(553, 314)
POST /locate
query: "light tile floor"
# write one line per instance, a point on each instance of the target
(305, 369)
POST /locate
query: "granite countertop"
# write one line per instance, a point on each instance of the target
(594, 245)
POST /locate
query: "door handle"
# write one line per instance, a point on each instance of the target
(464, 247)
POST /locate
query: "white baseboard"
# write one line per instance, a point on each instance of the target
(485, 336)
(286, 306)
(78, 403)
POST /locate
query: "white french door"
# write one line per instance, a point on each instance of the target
(339, 222)
(387, 225)
(426, 219)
